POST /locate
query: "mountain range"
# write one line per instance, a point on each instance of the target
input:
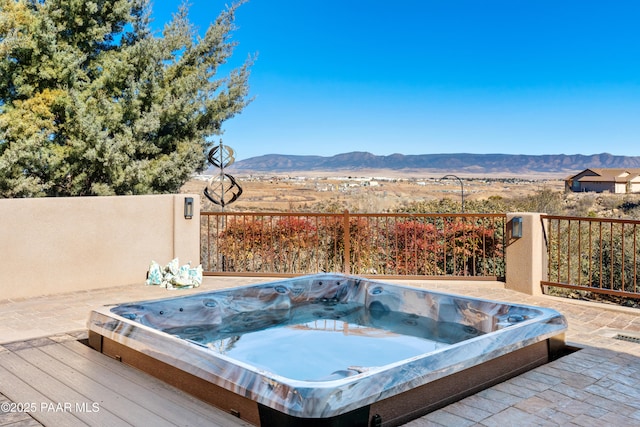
(453, 163)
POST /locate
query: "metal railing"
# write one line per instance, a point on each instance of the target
(593, 254)
(469, 246)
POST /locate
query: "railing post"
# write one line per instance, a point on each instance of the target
(526, 256)
(347, 243)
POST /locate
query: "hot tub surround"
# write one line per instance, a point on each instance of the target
(472, 343)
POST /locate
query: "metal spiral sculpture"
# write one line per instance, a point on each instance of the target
(222, 189)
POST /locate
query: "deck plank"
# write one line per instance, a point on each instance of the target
(81, 389)
(24, 383)
(164, 400)
(164, 390)
(68, 371)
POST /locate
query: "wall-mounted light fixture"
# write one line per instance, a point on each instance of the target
(188, 207)
(516, 227)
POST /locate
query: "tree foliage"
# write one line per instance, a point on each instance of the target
(93, 103)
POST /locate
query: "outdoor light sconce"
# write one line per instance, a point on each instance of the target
(516, 227)
(188, 207)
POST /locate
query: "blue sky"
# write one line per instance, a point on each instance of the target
(434, 76)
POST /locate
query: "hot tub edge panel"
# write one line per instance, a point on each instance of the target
(411, 404)
(392, 411)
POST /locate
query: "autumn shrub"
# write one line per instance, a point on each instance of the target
(429, 245)
(471, 248)
(285, 245)
(414, 248)
(295, 243)
(243, 245)
(363, 253)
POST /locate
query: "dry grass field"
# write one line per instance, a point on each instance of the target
(366, 191)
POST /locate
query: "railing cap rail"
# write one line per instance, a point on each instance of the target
(591, 219)
(395, 214)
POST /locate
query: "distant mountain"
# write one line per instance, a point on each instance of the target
(454, 163)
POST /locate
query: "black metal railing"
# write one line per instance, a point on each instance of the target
(423, 245)
(593, 254)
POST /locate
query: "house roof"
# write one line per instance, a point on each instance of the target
(606, 175)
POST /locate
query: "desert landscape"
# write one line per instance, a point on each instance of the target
(367, 190)
(368, 183)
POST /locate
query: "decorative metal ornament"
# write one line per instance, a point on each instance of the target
(224, 155)
(223, 189)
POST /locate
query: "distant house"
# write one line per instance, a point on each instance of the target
(599, 180)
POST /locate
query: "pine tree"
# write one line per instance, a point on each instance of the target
(93, 103)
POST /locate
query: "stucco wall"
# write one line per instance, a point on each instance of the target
(55, 245)
(526, 256)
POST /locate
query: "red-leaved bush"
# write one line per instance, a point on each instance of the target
(399, 246)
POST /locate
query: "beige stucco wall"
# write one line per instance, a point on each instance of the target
(525, 257)
(55, 245)
(620, 188)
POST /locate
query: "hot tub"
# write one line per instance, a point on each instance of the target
(328, 349)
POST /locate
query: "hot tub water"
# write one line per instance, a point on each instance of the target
(325, 340)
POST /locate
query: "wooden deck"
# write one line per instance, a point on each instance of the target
(62, 382)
